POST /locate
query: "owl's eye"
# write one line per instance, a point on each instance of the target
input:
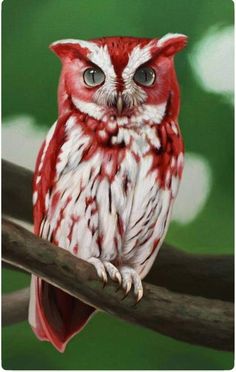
(94, 76)
(145, 76)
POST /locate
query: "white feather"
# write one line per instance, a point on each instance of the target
(90, 108)
(167, 37)
(35, 197)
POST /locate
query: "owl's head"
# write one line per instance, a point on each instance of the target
(119, 76)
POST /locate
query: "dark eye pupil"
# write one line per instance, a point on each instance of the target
(145, 76)
(93, 76)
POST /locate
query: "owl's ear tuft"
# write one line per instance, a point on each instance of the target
(69, 48)
(170, 44)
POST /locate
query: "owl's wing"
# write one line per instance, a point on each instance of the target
(54, 315)
(45, 170)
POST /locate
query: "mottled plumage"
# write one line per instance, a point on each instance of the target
(109, 169)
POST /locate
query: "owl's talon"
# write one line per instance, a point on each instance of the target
(112, 271)
(99, 267)
(130, 277)
(104, 277)
(118, 278)
(127, 287)
(138, 287)
(139, 295)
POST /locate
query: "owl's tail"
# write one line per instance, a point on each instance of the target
(54, 315)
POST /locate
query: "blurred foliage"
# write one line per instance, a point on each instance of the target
(30, 76)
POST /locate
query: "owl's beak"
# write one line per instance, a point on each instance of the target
(119, 104)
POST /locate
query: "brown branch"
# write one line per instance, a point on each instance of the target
(16, 191)
(15, 307)
(210, 276)
(192, 319)
(205, 275)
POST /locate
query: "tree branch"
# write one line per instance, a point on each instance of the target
(210, 276)
(192, 319)
(15, 307)
(17, 191)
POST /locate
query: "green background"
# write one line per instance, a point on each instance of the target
(30, 76)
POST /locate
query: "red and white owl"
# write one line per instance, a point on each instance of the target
(109, 169)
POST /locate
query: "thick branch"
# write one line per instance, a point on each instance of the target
(15, 307)
(193, 319)
(16, 191)
(210, 276)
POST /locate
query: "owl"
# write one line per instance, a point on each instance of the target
(109, 169)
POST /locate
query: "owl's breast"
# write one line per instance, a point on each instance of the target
(109, 202)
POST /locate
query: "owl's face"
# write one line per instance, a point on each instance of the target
(119, 77)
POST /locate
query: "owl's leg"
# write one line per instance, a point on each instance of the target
(131, 277)
(103, 268)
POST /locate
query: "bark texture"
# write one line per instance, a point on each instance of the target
(193, 319)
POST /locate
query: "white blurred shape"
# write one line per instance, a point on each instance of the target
(21, 140)
(212, 60)
(194, 189)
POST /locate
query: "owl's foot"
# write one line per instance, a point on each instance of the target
(126, 276)
(105, 268)
(130, 277)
